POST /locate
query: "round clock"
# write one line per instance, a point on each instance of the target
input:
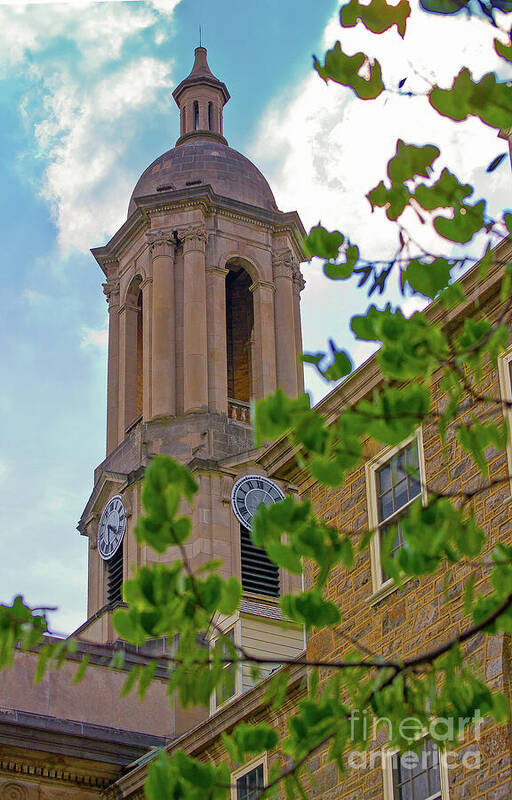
(112, 527)
(249, 492)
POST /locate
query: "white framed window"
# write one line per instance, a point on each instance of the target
(224, 693)
(247, 782)
(394, 479)
(505, 378)
(421, 775)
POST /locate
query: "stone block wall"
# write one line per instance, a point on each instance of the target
(426, 612)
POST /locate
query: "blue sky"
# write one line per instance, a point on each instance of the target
(84, 107)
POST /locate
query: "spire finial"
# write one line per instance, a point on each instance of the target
(200, 39)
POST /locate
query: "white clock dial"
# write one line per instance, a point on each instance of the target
(111, 528)
(249, 492)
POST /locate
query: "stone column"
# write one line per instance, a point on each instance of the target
(195, 349)
(128, 314)
(298, 286)
(163, 330)
(286, 348)
(111, 290)
(147, 319)
(216, 336)
(264, 363)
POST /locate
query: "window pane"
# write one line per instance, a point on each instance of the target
(384, 478)
(419, 777)
(386, 505)
(396, 488)
(420, 784)
(401, 493)
(248, 785)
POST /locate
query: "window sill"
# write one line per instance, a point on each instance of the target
(385, 590)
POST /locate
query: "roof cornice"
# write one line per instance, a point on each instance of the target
(212, 203)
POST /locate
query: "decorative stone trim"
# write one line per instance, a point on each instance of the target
(298, 282)
(283, 264)
(111, 292)
(193, 238)
(161, 243)
(19, 767)
(257, 285)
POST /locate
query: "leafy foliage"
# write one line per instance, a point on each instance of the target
(433, 373)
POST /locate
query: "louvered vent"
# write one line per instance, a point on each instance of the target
(115, 577)
(259, 573)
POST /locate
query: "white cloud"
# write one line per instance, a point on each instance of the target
(323, 150)
(84, 136)
(83, 116)
(94, 337)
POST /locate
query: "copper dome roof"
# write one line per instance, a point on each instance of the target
(205, 161)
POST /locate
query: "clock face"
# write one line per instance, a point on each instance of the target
(249, 492)
(111, 528)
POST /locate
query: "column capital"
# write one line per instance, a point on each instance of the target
(283, 263)
(298, 281)
(193, 238)
(111, 292)
(161, 242)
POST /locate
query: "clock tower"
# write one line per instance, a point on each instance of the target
(203, 288)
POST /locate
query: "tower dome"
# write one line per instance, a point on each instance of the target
(202, 154)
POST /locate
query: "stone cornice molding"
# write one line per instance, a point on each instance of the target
(161, 243)
(258, 285)
(217, 271)
(193, 238)
(20, 767)
(284, 264)
(204, 199)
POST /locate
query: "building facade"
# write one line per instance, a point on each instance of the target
(203, 288)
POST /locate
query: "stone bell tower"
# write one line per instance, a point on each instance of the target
(203, 289)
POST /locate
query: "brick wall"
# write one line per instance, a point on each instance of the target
(426, 612)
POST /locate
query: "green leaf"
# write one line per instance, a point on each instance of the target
(466, 222)
(446, 192)
(146, 676)
(342, 271)
(344, 69)
(428, 278)
(42, 660)
(377, 16)
(310, 609)
(411, 160)
(488, 99)
(443, 6)
(275, 415)
(339, 366)
(393, 200)
(323, 243)
(503, 50)
(231, 595)
(79, 674)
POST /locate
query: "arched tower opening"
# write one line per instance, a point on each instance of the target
(139, 363)
(239, 333)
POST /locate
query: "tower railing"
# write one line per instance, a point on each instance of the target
(239, 411)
